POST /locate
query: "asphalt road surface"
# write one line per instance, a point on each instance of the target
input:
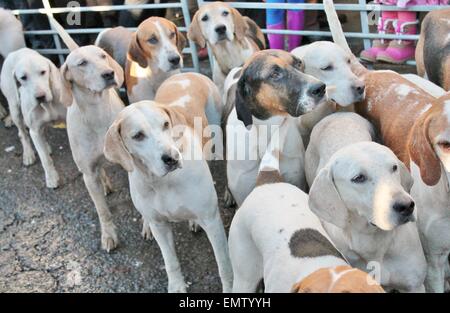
(50, 239)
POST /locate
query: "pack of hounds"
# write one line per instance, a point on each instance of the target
(349, 193)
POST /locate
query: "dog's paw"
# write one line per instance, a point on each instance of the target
(177, 287)
(52, 180)
(194, 227)
(8, 121)
(3, 112)
(229, 199)
(146, 232)
(29, 157)
(110, 240)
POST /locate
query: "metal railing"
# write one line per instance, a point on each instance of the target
(360, 6)
(61, 52)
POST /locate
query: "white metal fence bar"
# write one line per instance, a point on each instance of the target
(182, 4)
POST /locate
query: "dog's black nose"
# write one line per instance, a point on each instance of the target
(175, 60)
(317, 91)
(221, 29)
(404, 208)
(40, 99)
(108, 75)
(359, 89)
(169, 161)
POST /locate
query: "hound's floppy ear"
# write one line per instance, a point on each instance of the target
(422, 153)
(118, 70)
(10, 87)
(60, 90)
(406, 178)
(195, 32)
(66, 79)
(115, 150)
(242, 94)
(240, 25)
(325, 201)
(181, 40)
(176, 118)
(136, 53)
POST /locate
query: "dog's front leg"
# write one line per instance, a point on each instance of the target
(162, 231)
(42, 147)
(216, 235)
(29, 158)
(435, 281)
(95, 187)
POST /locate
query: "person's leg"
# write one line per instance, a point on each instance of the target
(400, 51)
(295, 21)
(275, 21)
(385, 26)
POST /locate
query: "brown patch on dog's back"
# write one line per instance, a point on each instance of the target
(309, 243)
(268, 177)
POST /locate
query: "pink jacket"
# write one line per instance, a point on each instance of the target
(404, 3)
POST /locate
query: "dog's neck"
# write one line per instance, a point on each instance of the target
(360, 232)
(97, 105)
(231, 54)
(152, 74)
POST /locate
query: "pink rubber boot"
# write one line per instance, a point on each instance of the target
(295, 21)
(400, 51)
(385, 26)
(276, 41)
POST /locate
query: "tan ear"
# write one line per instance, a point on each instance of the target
(195, 32)
(325, 201)
(176, 118)
(115, 150)
(61, 91)
(118, 70)
(66, 79)
(406, 178)
(422, 153)
(240, 26)
(136, 52)
(181, 40)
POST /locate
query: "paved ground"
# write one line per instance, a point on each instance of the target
(50, 240)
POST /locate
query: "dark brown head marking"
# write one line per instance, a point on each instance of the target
(309, 243)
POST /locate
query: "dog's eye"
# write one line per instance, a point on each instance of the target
(103, 56)
(359, 179)
(172, 35)
(139, 136)
(205, 18)
(276, 74)
(153, 40)
(444, 145)
(82, 63)
(394, 168)
(43, 73)
(327, 68)
(349, 61)
(225, 13)
(24, 78)
(166, 126)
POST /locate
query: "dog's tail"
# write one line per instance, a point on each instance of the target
(339, 37)
(70, 43)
